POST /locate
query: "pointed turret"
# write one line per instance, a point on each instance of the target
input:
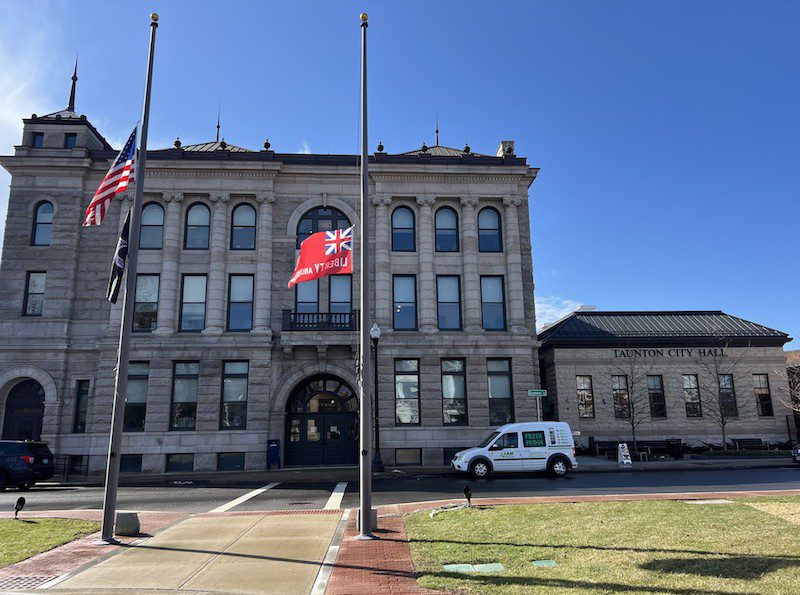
(71, 106)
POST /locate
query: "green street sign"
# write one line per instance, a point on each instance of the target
(537, 393)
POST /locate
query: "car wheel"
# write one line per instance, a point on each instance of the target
(480, 469)
(558, 467)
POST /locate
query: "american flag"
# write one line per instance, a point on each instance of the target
(340, 239)
(116, 180)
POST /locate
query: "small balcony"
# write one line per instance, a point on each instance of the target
(320, 321)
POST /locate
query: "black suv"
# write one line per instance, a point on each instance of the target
(23, 463)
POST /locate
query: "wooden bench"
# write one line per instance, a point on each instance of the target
(749, 444)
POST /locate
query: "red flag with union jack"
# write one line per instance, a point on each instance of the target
(117, 180)
(324, 253)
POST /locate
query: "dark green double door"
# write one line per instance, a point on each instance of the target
(321, 439)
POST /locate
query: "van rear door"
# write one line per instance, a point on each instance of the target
(534, 449)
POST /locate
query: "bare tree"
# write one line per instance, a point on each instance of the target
(721, 371)
(789, 395)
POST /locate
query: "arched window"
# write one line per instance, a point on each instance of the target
(42, 224)
(243, 228)
(198, 222)
(152, 230)
(322, 394)
(490, 235)
(446, 221)
(320, 219)
(403, 234)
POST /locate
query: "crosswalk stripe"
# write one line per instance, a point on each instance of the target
(335, 501)
(227, 506)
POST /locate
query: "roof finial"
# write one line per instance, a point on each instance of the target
(219, 110)
(437, 131)
(71, 106)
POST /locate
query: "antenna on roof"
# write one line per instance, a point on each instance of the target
(219, 109)
(71, 106)
(437, 131)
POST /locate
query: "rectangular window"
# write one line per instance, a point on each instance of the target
(70, 138)
(763, 396)
(448, 297)
(81, 405)
(136, 397)
(145, 308)
(622, 402)
(691, 396)
(307, 297)
(406, 392)
(727, 396)
(655, 392)
(533, 439)
(585, 396)
(454, 392)
(240, 303)
(230, 461)
(183, 413)
(407, 456)
(404, 292)
(177, 463)
(38, 140)
(34, 294)
(193, 303)
(340, 300)
(501, 394)
(493, 307)
(130, 464)
(233, 415)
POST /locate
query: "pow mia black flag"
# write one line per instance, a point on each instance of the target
(118, 264)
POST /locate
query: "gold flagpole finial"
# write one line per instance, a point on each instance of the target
(364, 17)
(154, 16)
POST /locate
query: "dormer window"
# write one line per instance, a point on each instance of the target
(38, 140)
(70, 139)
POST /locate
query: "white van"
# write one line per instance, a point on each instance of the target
(529, 446)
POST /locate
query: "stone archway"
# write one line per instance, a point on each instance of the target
(24, 411)
(12, 376)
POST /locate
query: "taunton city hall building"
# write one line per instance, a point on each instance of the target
(225, 358)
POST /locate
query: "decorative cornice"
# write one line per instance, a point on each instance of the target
(446, 177)
(381, 199)
(426, 200)
(469, 201)
(210, 173)
(512, 200)
(220, 197)
(172, 196)
(268, 197)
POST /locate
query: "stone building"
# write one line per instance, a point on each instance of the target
(681, 375)
(224, 357)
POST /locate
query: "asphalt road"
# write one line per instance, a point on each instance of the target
(203, 498)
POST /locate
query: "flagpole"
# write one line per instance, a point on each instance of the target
(365, 369)
(117, 413)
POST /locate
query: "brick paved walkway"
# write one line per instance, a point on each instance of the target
(35, 571)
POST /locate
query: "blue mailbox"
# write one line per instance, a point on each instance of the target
(273, 453)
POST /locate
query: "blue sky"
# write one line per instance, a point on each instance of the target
(666, 132)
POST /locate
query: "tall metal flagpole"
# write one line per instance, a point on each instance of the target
(365, 410)
(117, 414)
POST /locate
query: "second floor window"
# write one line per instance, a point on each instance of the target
(490, 236)
(404, 291)
(454, 392)
(691, 396)
(243, 228)
(406, 392)
(183, 414)
(501, 401)
(320, 219)
(448, 296)
(42, 224)
(233, 415)
(306, 297)
(340, 296)
(193, 303)
(763, 396)
(145, 309)
(493, 307)
(403, 234)
(446, 230)
(622, 401)
(240, 303)
(136, 397)
(151, 236)
(198, 224)
(34, 294)
(585, 396)
(727, 397)
(81, 406)
(655, 392)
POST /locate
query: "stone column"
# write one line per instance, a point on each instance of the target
(383, 276)
(516, 301)
(263, 289)
(426, 289)
(215, 304)
(170, 255)
(471, 281)
(115, 313)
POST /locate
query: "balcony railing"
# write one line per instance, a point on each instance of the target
(320, 321)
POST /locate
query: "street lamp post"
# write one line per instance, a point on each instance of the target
(377, 463)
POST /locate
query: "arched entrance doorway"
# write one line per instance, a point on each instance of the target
(24, 412)
(322, 423)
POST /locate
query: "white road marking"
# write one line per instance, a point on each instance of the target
(226, 507)
(335, 501)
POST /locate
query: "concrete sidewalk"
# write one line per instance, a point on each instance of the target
(258, 552)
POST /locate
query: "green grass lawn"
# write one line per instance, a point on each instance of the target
(25, 538)
(750, 546)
